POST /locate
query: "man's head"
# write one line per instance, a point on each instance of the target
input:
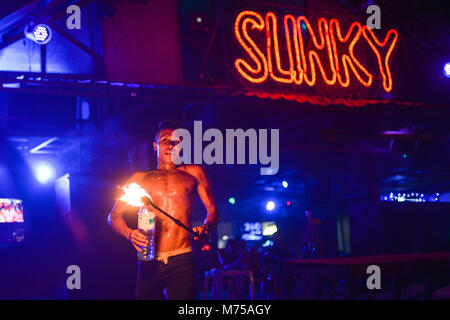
(163, 143)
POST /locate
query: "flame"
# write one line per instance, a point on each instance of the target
(133, 194)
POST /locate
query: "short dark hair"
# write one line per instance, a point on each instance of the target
(167, 124)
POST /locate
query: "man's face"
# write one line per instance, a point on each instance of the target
(165, 144)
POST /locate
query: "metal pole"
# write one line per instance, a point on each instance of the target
(216, 260)
(44, 58)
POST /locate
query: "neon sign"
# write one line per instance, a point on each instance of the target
(305, 65)
(252, 231)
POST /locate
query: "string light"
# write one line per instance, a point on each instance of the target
(410, 197)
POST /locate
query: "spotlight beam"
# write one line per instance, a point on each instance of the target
(14, 19)
(77, 43)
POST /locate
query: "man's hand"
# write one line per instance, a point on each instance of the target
(203, 233)
(138, 239)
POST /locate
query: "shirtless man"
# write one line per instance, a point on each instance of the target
(173, 189)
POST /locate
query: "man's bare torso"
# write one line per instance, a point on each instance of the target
(174, 192)
(173, 189)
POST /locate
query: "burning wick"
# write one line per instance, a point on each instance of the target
(133, 194)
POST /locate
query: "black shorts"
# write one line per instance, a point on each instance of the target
(177, 277)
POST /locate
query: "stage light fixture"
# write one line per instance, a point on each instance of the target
(232, 200)
(44, 173)
(446, 70)
(268, 243)
(270, 230)
(40, 33)
(270, 205)
(285, 184)
(303, 25)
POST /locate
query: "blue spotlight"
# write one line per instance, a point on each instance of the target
(270, 205)
(285, 184)
(446, 70)
(41, 33)
(44, 173)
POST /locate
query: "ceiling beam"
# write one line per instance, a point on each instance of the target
(37, 149)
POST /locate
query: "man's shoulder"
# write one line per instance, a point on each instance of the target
(139, 175)
(192, 167)
(195, 170)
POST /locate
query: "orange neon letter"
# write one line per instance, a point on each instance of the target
(312, 54)
(272, 34)
(258, 73)
(348, 60)
(383, 64)
(299, 71)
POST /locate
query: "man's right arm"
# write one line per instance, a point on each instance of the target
(116, 220)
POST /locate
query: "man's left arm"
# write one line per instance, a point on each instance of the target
(205, 193)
